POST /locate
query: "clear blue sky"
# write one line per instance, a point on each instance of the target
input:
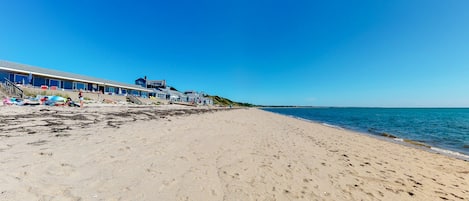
(324, 53)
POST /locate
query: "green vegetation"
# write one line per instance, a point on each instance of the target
(29, 93)
(217, 100)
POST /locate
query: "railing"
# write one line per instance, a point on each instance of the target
(134, 100)
(11, 89)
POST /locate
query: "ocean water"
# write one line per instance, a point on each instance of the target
(444, 129)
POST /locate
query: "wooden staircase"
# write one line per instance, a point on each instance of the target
(134, 100)
(8, 88)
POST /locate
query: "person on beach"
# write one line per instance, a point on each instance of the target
(80, 97)
(70, 103)
(7, 101)
(44, 100)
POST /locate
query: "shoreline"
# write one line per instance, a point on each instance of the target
(162, 153)
(391, 138)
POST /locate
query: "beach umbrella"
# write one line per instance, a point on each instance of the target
(56, 99)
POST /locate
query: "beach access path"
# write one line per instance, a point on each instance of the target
(177, 153)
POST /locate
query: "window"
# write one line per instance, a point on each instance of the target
(68, 85)
(135, 92)
(79, 85)
(21, 79)
(110, 89)
(3, 75)
(94, 87)
(54, 83)
(39, 81)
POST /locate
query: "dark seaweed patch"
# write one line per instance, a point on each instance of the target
(37, 143)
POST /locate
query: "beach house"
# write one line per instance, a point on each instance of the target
(197, 98)
(151, 84)
(36, 77)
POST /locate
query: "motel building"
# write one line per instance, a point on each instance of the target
(56, 80)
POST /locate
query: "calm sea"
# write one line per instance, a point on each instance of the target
(445, 130)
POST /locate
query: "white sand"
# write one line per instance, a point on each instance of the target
(244, 154)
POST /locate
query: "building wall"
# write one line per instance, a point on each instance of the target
(141, 82)
(68, 85)
(156, 83)
(74, 94)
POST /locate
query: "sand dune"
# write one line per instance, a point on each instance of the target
(160, 153)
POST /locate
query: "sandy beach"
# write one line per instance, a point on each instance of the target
(179, 153)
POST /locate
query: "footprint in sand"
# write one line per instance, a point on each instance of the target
(167, 183)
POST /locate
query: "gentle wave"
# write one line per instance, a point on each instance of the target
(448, 152)
(332, 126)
(299, 118)
(309, 120)
(398, 139)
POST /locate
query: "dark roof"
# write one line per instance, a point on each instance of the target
(7, 65)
